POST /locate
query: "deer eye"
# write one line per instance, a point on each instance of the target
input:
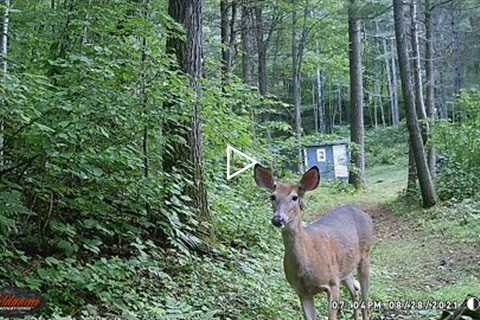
(295, 198)
(272, 197)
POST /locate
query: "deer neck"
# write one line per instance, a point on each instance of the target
(294, 238)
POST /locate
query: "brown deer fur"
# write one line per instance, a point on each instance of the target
(321, 256)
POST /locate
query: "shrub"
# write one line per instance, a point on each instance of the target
(385, 146)
(459, 142)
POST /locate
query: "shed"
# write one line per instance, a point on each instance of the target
(330, 158)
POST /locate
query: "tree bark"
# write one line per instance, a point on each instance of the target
(356, 90)
(457, 75)
(193, 67)
(4, 67)
(378, 102)
(319, 96)
(412, 172)
(247, 46)
(4, 38)
(190, 51)
(430, 84)
(175, 46)
(296, 91)
(329, 121)
(144, 99)
(418, 86)
(227, 36)
(232, 36)
(261, 51)
(298, 45)
(314, 106)
(224, 39)
(417, 69)
(263, 37)
(382, 110)
(416, 141)
(396, 109)
(340, 104)
(388, 71)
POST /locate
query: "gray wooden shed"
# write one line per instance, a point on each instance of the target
(331, 159)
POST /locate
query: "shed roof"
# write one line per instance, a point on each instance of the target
(324, 144)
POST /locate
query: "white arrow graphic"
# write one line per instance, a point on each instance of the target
(230, 152)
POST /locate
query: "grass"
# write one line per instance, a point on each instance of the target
(384, 184)
(420, 255)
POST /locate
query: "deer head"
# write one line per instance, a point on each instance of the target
(287, 199)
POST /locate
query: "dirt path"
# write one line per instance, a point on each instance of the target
(387, 225)
(410, 264)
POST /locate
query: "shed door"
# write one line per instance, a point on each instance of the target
(340, 161)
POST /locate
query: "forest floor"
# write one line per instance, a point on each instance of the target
(418, 256)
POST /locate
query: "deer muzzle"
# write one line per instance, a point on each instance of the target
(278, 221)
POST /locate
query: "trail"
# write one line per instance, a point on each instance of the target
(411, 264)
(411, 260)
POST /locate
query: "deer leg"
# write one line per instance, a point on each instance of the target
(333, 301)
(308, 307)
(350, 284)
(364, 276)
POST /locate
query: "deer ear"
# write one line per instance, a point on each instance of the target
(310, 179)
(263, 177)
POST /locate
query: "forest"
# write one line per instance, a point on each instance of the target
(115, 120)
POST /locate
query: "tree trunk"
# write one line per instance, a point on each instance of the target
(144, 99)
(296, 91)
(4, 67)
(4, 38)
(175, 46)
(412, 172)
(314, 106)
(444, 114)
(320, 104)
(417, 69)
(232, 33)
(340, 105)
(396, 109)
(388, 72)
(227, 36)
(416, 141)
(457, 75)
(329, 121)
(224, 39)
(247, 46)
(418, 85)
(262, 51)
(356, 91)
(193, 67)
(430, 84)
(190, 51)
(382, 106)
(378, 103)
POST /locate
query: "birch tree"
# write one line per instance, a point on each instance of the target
(4, 66)
(430, 78)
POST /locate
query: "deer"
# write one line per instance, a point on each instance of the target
(321, 256)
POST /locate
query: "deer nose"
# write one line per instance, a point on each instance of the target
(277, 221)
